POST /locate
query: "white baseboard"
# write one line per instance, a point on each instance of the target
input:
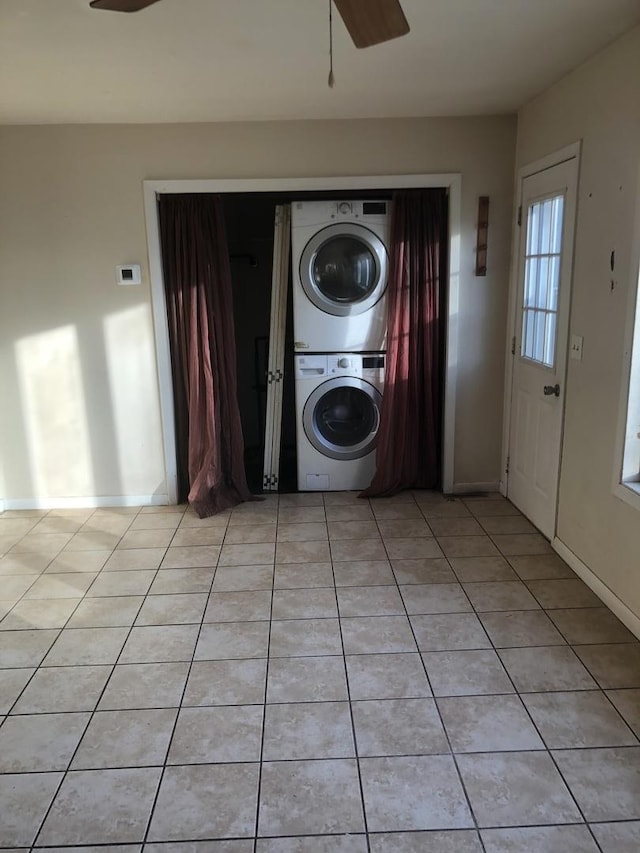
(624, 614)
(472, 488)
(84, 502)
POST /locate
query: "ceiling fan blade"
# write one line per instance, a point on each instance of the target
(372, 21)
(121, 5)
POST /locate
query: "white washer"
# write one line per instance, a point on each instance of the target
(340, 273)
(338, 399)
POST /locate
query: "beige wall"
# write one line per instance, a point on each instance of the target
(598, 103)
(80, 403)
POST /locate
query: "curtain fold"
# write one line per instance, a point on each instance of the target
(197, 277)
(408, 453)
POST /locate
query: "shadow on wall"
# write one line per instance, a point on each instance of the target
(86, 412)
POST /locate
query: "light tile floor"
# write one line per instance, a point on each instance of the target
(310, 674)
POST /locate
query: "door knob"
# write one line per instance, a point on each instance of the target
(551, 390)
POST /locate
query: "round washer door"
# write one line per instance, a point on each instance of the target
(344, 269)
(341, 417)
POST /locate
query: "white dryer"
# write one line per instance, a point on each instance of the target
(338, 399)
(340, 273)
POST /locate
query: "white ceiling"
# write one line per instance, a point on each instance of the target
(228, 60)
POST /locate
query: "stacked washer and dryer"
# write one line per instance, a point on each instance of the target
(340, 272)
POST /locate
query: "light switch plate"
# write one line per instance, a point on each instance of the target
(576, 347)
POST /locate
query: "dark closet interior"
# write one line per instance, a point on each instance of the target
(249, 219)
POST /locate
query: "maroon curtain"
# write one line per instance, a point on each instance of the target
(409, 441)
(197, 279)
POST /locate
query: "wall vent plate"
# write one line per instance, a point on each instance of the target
(129, 274)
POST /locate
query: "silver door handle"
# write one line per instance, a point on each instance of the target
(551, 390)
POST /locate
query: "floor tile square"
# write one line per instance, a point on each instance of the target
(310, 797)
(370, 634)
(491, 507)
(15, 586)
(201, 536)
(304, 604)
(563, 593)
(132, 560)
(591, 626)
(424, 599)
(66, 688)
(121, 583)
(98, 540)
(23, 564)
(353, 530)
(39, 614)
(307, 679)
(243, 578)
(488, 724)
(398, 727)
(628, 704)
(500, 595)
(522, 788)
(387, 676)
(69, 585)
(250, 534)
(314, 844)
(303, 575)
(311, 531)
(177, 609)
(449, 632)
(482, 569)
(542, 839)
(213, 735)
(617, 837)
(354, 511)
(467, 546)
(226, 682)
(226, 640)
(101, 807)
(247, 606)
(126, 739)
(605, 782)
(455, 527)
(613, 666)
(247, 555)
(169, 581)
(24, 648)
(41, 742)
(206, 801)
(540, 567)
(395, 511)
(301, 515)
(403, 528)
(78, 646)
(412, 548)
(363, 573)
(24, 800)
(303, 552)
(434, 570)
(512, 629)
(519, 544)
(144, 685)
(304, 730)
(12, 683)
(138, 539)
(356, 550)
(506, 524)
(545, 668)
(572, 720)
(418, 792)
(156, 521)
(444, 509)
(157, 643)
(300, 637)
(116, 612)
(370, 601)
(466, 673)
(453, 841)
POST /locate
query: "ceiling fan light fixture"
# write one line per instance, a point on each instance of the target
(372, 22)
(121, 5)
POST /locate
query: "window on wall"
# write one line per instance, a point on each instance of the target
(542, 278)
(631, 456)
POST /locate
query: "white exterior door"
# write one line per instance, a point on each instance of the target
(548, 210)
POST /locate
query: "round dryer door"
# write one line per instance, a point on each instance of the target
(344, 268)
(341, 417)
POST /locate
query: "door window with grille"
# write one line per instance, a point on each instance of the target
(541, 280)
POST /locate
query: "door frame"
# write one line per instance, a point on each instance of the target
(151, 189)
(557, 158)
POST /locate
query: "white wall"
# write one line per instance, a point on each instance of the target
(80, 413)
(600, 104)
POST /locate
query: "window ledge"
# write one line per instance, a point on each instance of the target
(629, 492)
